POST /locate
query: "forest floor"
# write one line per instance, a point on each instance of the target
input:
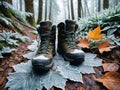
(17, 57)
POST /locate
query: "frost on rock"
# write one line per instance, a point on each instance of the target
(25, 79)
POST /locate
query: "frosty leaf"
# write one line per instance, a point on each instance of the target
(53, 78)
(29, 55)
(7, 50)
(111, 31)
(57, 76)
(22, 67)
(1, 55)
(12, 42)
(86, 69)
(92, 60)
(69, 73)
(33, 46)
(20, 37)
(24, 81)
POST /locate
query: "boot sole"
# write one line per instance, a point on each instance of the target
(75, 62)
(39, 69)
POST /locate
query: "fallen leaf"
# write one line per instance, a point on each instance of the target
(80, 88)
(84, 43)
(104, 46)
(1, 69)
(95, 34)
(111, 80)
(110, 67)
(2, 79)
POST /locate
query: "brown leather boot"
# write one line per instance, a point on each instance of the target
(42, 60)
(66, 42)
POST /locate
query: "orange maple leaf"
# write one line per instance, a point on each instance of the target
(95, 34)
(84, 43)
(104, 46)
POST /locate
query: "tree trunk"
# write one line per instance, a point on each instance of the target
(79, 8)
(50, 11)
(69, 9)
(45, 9)
(29, 8)
(72, 10)
(9, 1)
(105, 4)
(99, 5)
(40, 11)
(21, 5)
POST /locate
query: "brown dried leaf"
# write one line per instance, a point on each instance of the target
(104, 46)
(11, 64)
(9, 70)
(84, 43)
(1, 69)
(2, 79)
(80, 88)
(111, 80)
(110, 67)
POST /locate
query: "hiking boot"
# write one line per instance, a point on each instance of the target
(42, 60)
(66, 43)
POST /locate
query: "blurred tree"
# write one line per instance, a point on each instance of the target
(99, 5)
(79, 8)
(40, 10)
(46, 9)
(50, 11)
(72, 9)
(29, 8)
(105, 4)
(9, 1)
(69, 13)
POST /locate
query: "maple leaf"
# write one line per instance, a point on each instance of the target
(84, 43)
(95, 34)
(111, 80)
(104, 46)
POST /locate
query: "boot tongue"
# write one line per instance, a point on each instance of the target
(70, 26)
(46, 27)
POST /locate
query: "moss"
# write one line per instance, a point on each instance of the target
(18, 28)
(3, 44)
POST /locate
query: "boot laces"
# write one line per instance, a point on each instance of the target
(70, 39)
(44, 45)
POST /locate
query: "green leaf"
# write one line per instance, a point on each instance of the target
(7, 50)
(111, 31)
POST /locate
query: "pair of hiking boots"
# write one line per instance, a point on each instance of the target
(66, 46)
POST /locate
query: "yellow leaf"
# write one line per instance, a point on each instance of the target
(95, 34)
(104, 46)
(84, 43)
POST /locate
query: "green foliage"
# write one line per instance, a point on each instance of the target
(9, 11)
(24, 77)
(109, 21)
(105, 18)
(5, 21)
(10, 39)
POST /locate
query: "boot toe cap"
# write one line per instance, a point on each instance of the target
(75, 57)
(42, 62)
